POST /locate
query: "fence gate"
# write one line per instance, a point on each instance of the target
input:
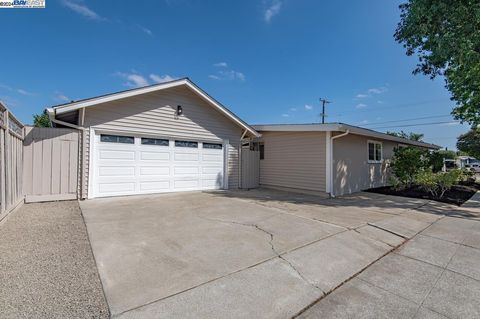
(50, 164)
(250, 159)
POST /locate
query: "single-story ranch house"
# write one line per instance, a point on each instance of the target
(173, 137)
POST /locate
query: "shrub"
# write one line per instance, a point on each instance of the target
(427, 181)
(435, 159)
(438, 183)
(407, 163)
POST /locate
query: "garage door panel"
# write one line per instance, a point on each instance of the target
(154, 170)
(108, 188)
(155, 156)
(154, 185)
(207, 183)
(180, 156)
(116, 171)
(186, 170)
(116, 155)
(182, 184)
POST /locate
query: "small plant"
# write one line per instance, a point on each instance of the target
(438, 183)
(446, 180)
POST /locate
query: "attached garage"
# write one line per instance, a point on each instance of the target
(169, 137)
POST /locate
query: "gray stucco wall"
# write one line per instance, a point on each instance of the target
(351, 170)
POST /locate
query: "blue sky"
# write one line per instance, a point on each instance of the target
(269, 61)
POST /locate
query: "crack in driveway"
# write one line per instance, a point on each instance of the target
(279, 255)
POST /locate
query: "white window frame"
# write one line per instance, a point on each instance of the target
(374, 151)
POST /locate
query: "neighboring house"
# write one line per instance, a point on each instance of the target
(173, 137)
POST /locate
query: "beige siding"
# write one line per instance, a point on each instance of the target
(154, 114)
(351, 170)
(294, 160)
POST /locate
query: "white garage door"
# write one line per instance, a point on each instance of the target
(127, 165)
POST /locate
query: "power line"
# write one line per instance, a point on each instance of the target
(411, 119)
(404, 105)
(419, 124)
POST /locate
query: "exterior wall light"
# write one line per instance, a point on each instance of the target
(179, 110)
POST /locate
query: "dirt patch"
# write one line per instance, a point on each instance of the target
(457, 195)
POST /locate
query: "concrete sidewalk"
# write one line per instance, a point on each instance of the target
(436, 274)
(46, 265)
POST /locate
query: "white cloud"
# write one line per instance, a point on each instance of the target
(272, 9)
(379, 90)
(81, 9)
(227, 74)
(145, 30)
(380, 102)
(451, 124)
(293, 109)
(133, 79)
(61, 97)
(221, 64)
(365, 122)
(161, 78)
(285, 115)
(361, 96)
(308, 107)
(6, 87)
(24, 92)
(360, 106)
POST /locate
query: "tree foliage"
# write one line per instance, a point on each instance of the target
(470, 143)
(42, 120)
(407, 163)
(436, 159)
(410, 136)
(445, 35)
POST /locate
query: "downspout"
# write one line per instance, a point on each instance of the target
(240, 176)
(332, 186)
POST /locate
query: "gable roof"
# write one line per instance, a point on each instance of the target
(76, 105)
(340, 127)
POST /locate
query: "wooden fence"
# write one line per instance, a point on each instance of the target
(50, 164)
(11, 161)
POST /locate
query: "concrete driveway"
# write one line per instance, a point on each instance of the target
(241, 254)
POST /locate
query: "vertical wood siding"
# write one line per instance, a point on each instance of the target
(250, 168)
(294, 160)
(50, 164)
(154, 114)
(11, 162)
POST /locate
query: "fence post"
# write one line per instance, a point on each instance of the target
(3, 184)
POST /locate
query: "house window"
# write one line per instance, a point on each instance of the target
(375, 152)
(117, 139)
(186, 144)
(154, 141)
(262, 151)
(212, 146)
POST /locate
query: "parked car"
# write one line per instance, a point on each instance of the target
(474, 167)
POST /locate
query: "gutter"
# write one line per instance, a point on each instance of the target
(330, 172)
(51, 116)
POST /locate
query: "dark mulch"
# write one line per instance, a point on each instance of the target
(457, 195)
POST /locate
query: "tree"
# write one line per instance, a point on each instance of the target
(470, 143)
(410, 136)
(436, 158)
(42, 120)
(445, 35)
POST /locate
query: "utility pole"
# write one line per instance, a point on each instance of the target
(324, 101)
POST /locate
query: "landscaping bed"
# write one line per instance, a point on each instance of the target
(457, 195)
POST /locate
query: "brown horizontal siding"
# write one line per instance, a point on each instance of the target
(294, 160)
